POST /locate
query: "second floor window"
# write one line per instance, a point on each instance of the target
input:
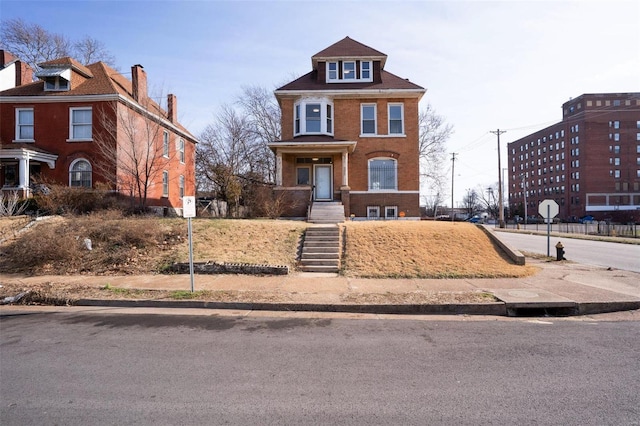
(368, 119)
(181, 150)
(396, 119)
(165, 144)
(24, 124)
(80, 123)
(314, 117)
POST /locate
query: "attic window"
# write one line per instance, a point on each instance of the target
(349, 71)
(55, 79)
(56, 84)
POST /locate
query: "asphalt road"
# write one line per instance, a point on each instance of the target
(600, 253)
(87, 368)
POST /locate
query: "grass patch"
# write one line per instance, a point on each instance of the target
(424, 249)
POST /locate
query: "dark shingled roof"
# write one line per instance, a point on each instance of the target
(348, 47)
(388, 82)
(102, 80)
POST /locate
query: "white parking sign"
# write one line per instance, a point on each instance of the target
(188, 206)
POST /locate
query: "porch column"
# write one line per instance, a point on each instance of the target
(23, 173)
(279, 169)
(345, 168)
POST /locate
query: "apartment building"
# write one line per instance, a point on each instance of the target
(589, 163)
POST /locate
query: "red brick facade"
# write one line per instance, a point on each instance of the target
(47, 147)
(589, 163)
(340, 141)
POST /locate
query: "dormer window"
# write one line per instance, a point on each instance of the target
(56, 84)
(313, 117)
(55, 79)
(349, 71)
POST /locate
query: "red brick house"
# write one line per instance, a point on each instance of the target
(349, 136)
(59, 127)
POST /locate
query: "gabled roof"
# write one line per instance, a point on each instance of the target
(348, 48)
(100, 79)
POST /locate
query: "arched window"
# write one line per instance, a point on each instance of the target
(80, 174)
(382, 174)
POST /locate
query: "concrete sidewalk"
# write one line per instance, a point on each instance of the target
(559, 288)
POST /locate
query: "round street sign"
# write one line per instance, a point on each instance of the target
(552, 210)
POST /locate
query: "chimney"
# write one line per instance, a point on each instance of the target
(172, 108)
(139, 83)
(24, 74)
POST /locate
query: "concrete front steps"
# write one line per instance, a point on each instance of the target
(321, 249)
(326, 212)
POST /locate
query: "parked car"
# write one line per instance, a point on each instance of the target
(474, 219)
(587, 219)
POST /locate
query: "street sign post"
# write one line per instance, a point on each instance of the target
(189, 211)
(548, 209)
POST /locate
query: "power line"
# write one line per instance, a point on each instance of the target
(498, 133)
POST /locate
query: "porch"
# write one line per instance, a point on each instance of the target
(313, 171)
(18, 166)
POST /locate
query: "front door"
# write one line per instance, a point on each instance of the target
(322, 181)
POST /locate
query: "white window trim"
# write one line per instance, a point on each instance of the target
(165, 144)
(376, 208)
(401, 105)
(395, 184)
(328, 78)
(323, 116)
(180, 149)
(165, 186)
(375, 120)
(71, 138)
(370, 79)
(18, 125)
(181, 186)
(395, 212)
(73, 163)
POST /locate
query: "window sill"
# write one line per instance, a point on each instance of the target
(23, 141)
(79, 140)
(369, 135)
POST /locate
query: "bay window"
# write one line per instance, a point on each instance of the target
(313, 117)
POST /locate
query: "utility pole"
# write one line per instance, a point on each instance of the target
(453, 163)
(524, 189)
(500, 200)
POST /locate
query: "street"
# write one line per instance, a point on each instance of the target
(80, 366)
(599, 253)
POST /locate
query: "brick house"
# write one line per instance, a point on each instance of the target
(349, 136)
(589, 163)
(59, 127)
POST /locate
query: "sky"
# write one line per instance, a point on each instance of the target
(486, 65)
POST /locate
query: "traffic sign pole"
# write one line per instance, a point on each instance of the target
(189, 211)
(548, 229)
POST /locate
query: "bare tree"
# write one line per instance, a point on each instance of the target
(136, 159)
(434, 134)
(471, 202)
(34, 44)
(89, 50)
(432, 202)
(488, 201)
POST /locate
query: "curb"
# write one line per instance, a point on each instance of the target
(495, 308)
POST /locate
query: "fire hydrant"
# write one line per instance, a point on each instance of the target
(560, 251)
